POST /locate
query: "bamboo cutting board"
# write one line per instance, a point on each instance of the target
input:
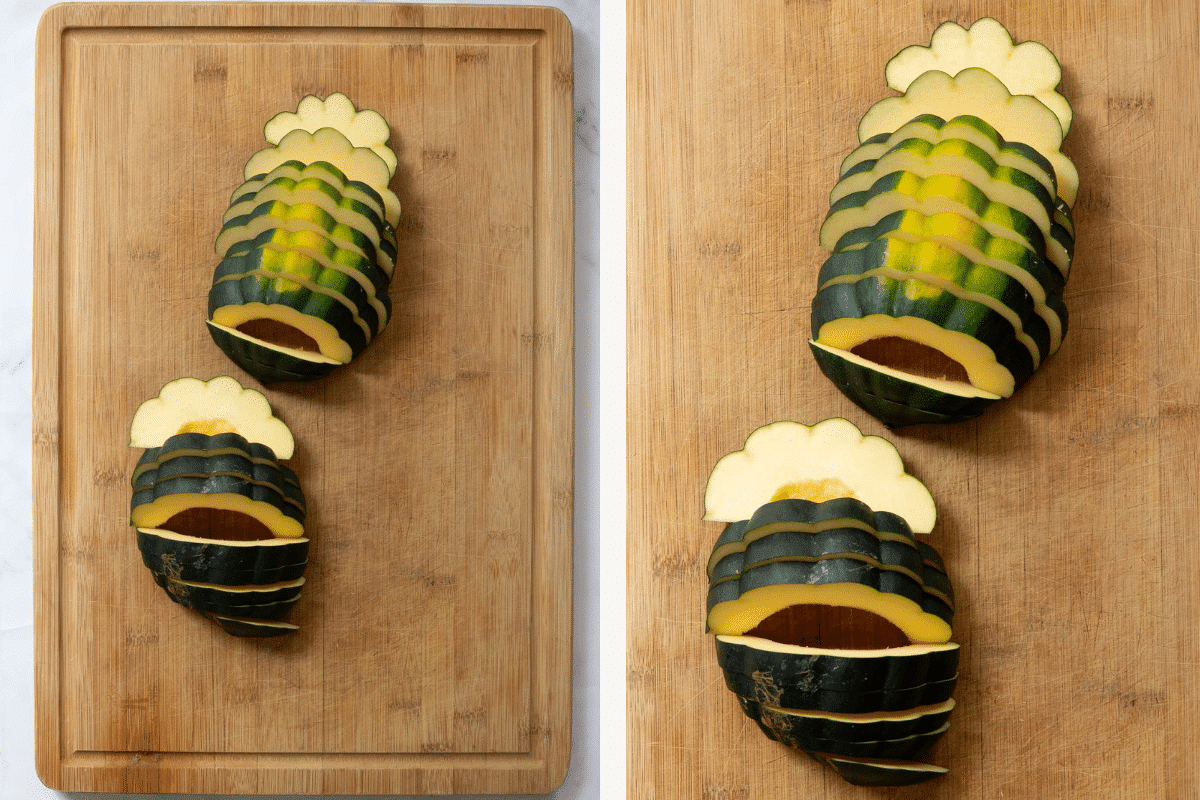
(435, 632)
(1067, 515)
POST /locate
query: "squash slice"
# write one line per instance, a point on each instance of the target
(366, 128)
(213, 406)
(829, 459)
(977, 92)
(1025, 68)
(328, 144)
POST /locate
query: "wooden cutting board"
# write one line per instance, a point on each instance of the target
(1067, 515)
(434, 651)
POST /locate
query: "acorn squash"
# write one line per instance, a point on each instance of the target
(308, 245)
(219, 518)
(832, 620)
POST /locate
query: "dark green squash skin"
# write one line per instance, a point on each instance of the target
(969, 197)
(792, 731)
(831, 571)
(234, 267)
(252, 628)
(217, 484)
(267, 365)
(212, 561)
(879, 773)
(782, 530)
(898, 254)
(803, 696)
(1040, 269)
(282, 238)
(268, 604)
(282, 213)
(251, 289)
(838, 730)
(197, 455)
(893, 401)
(831, 672)
(879, 295)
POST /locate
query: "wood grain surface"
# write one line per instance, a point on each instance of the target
(435, 631)
(1067, 515)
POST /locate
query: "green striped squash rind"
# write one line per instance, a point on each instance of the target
(791, 730)
(331, 323)
(839, 681)
(267, 362)
(894, 399)
(323, 170)
(837, 542)
(937, 265)
(969, 127)
(1003, 183)
(879, 772)
(850, 672)
(293, 265)
(301, 216)
(190, 558)
(974, 91)
(937, 193)
(883, 302)
(252, 628)
(856, 728)
(251, 601)
(1006, 185)
(373, 279)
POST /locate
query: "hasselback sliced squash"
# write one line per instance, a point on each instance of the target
(832, 619)
(219, 518)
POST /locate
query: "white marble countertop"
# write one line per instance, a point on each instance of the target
(598, 746)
